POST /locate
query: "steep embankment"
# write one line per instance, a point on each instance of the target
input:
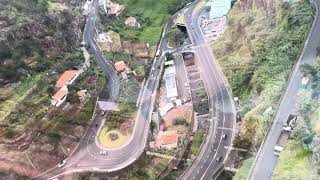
(261, 44)
(30, 33)
(37, 42)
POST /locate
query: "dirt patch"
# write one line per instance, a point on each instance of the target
(179, 112)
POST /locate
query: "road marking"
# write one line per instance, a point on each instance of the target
(225, 128)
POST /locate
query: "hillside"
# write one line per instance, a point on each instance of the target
(39, 39)
(262, 42)
(151, 14)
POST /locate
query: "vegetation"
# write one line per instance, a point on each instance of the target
(257, 54)
(196, 142)
(180, 122)
(244, 169)
(174, 36)
(151, 14)
(294, 163)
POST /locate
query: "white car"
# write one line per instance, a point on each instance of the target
(103, 152)
(64, 162)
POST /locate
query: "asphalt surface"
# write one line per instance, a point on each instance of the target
(222, 111)
(182, 78)
(266, 161)
(86, 156)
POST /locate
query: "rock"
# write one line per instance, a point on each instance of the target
(78, 131)
(47, 148)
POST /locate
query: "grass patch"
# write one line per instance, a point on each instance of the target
(151, 14)
(56, 6)
(196, 142)
(294, 163)
(244, 170)
(105, 140)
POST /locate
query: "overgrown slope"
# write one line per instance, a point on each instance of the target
(262, 42)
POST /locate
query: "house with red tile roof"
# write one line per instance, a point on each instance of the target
(132, 21)
(120, 66)
(114, 9)
(59, 97)
(165, 139)
(82, 94)
(68, 77)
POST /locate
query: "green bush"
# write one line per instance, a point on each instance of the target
(180, 122)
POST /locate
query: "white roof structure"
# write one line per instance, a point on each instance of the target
(170, 81)
(108, 106)
(163, 110)
(218, 8)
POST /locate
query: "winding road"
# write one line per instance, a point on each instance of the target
(86, 156)
(222, 110)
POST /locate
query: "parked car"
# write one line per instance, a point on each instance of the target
(62, 163)
(103, 152)
(219, 159)
(224, 136)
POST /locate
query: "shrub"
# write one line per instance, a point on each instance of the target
(180, 122)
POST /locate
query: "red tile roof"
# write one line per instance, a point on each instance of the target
(131, 20)
(115, 8)
(60, 94)
(169, 138)
(65, 78)
(81, 93)
(120, 66)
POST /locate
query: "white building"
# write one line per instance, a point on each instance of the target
(218, 8)
(170, 82)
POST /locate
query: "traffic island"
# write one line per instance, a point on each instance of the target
(112, 138)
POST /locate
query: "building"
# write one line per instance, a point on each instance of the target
(132, 21)
(120, 66)
(59, 97)
(218, 8)
(165, 109)
(169, 139)
(82, 94)
(170, 83)
(68, 77)
(104, 38)
(114, 9)
(165, 139)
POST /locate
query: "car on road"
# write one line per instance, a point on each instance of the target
(219, 159)
(224, 136)
(158, 53)
(62, 163)
(103, 152)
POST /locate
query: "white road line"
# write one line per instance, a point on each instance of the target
(225, 128)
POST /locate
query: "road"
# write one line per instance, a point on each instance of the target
(265, 160)
(181, 77)
(86, 156)
(222, 110)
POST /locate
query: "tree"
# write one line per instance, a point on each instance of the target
(73, 88)
(169, 56)
(73, 98)
(50, 90)
(307, 69)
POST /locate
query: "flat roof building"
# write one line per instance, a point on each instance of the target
(218, 8)
(170, 82)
